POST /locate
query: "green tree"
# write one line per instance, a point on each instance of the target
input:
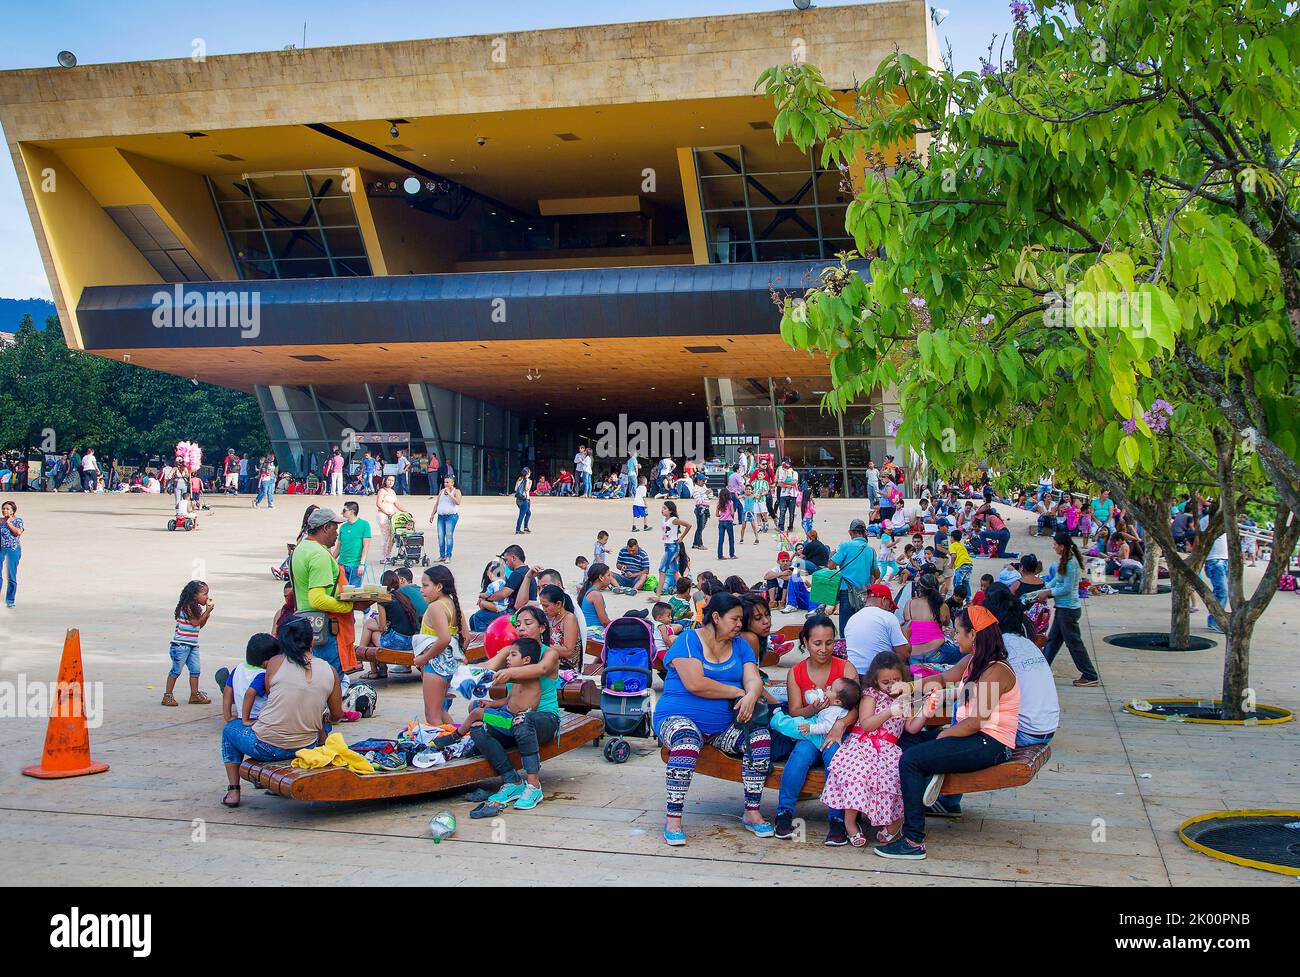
(1100, 244)
(55, 398)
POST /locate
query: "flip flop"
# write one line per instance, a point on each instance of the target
(486, 810)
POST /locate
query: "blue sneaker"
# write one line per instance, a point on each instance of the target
(529, 799)
(508, 794)
(902, 848)
(674, 839)
(762, 829)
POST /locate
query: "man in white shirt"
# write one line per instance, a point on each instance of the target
(403, 481)
(1216, 571)
(874, 629)
(701, 496)
(787, 488)
(89, 471)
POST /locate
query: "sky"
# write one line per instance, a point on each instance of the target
(134, 30)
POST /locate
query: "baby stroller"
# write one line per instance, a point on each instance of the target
(625, 680)
(408, 542)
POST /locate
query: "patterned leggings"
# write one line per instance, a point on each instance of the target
(684, 739)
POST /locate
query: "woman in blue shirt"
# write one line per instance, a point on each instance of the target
(710, 691)
(1064, 589)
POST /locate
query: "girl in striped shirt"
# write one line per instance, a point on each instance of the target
(192, 612)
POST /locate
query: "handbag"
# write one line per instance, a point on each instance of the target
(825, 588)
(322, 626)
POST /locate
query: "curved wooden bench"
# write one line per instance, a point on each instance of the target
(341, 784)
(1025, 762)
(474, 653)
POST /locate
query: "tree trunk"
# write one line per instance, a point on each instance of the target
(1236, 666)
(1180, 618)
(1150, 566)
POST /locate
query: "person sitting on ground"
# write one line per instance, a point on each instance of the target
(298, 691)
(986, 580)
(632, 568)
(777, 580)
(711, 691)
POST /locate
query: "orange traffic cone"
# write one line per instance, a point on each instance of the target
(67, 741)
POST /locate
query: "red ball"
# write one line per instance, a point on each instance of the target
(498, 635)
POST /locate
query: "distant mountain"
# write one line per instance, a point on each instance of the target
(13, 310)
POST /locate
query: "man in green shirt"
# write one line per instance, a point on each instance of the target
(315, 577)
(353, 544)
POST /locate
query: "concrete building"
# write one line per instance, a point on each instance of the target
(484, 246)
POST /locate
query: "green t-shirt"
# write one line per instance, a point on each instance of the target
(761, 487)
(412, 592)
(351, 537)
(312, 566)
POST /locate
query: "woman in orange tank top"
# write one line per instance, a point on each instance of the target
(988, 714)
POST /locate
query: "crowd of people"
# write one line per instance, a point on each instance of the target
(893, 631)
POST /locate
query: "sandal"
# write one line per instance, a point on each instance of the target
(858, 840)
(374, 677)
(225, 801)
(199, 699)
(168, 699)
(885, 836)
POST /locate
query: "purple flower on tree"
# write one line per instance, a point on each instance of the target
(1019, 10)
(1130, 426)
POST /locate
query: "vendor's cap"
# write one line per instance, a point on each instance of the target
(323, 517)
(857, 526)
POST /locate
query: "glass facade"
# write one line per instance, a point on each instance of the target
(770, 203)
(299, 224)
(785, 414)
(482, 441)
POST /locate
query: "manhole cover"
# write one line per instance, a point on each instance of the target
(1156, 641)
(1268, 840)
(1186, 710)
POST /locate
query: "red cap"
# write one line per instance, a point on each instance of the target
(783, 555)
(882, 591)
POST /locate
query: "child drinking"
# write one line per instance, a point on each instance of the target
(244, 692)
(863, 775)
(843, 695)
(192, 612)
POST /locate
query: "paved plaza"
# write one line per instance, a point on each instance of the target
(1104, 811)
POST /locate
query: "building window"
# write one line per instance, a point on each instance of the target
(770, 203)
(290, 225)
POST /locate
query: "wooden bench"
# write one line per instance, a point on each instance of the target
(341, 784)
(580, 695)
(474, 653)
(1025, 762)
